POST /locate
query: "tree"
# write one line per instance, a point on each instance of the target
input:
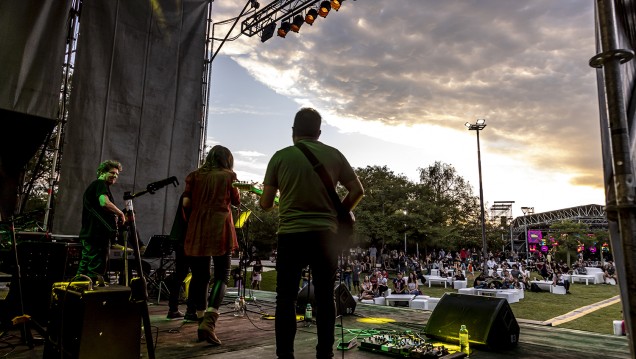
(379, 216)
(260, 229)
(452, 209)
(568, 234)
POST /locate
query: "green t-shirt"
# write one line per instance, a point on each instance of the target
(304, 203)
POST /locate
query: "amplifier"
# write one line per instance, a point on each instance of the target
(98, 323)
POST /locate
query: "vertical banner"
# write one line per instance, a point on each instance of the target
(136, 99)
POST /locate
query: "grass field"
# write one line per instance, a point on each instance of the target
(539, 306)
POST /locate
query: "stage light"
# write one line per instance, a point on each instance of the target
(311, 16)
(335, 4)
(284, 29)
(325, 6)
(297, 23)
(268, 31)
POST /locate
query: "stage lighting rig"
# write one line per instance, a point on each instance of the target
(291, 12)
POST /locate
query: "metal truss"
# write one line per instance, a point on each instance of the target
(592, 215)
(502, 210)
(277, 10)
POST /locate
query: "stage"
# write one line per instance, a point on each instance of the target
(252, 336)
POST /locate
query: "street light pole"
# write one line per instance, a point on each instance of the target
(405, 234)
(478, 126)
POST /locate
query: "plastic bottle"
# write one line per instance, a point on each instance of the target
(308, 313)
(464, 345)
(239, 307)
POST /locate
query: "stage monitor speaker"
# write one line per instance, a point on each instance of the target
(95, 324)
(345, 304)
(490, 321)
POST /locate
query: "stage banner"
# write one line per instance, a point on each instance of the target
(32, 42)
(534, 236)
(136, 99)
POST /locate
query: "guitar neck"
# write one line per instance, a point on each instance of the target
(252, 189)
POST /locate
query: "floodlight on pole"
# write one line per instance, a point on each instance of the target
(405, 213)
(478, 126)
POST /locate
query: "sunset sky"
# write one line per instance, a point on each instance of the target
(396, 80)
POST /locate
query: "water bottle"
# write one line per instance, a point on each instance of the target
(239, 307)
(463, 340)
(308, 313)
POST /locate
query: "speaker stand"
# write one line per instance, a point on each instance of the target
(24, 321)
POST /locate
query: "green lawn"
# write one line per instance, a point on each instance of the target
(539, 306)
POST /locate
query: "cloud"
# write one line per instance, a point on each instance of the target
(521, 65)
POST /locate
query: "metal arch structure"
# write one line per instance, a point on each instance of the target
(591, 214)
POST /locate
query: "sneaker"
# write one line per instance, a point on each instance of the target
(191, 317)
(174, 315)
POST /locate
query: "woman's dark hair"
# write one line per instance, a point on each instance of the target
(219, 157)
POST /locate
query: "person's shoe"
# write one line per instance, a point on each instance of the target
(191, 317)
(206, 328)
(174, 315)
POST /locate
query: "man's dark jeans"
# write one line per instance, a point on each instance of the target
(295, 251)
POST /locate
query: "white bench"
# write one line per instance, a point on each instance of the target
(459, 284)
(558, 289)
(432, 303)
(598, 274)
(510, 295)
(419, 302)
(549, 287)
(439, 280)
(398, 298)
(583, 277)
(470, 291)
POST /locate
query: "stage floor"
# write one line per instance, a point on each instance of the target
(252, 336)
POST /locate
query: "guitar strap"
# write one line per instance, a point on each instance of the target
(324, 176)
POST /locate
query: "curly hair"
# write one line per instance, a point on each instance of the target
(219, 157)
(108, 165)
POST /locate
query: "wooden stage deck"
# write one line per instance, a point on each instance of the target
(252, 336)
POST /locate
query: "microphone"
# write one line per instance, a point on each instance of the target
(160, 184)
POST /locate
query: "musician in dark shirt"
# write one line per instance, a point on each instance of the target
(99, 221)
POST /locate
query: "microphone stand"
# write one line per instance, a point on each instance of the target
(138, 286)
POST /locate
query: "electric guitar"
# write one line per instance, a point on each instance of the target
(250, 187)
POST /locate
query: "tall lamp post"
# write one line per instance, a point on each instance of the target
(478, 126)
(404, 232)
(526, 210)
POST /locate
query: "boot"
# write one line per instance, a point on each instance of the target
(206, 328)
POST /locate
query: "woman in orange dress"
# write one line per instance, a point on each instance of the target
(207, 201)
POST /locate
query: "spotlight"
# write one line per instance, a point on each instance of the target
(325, 6)
(311, 16)
(297, 23)
(335, 4)
(284, 29)
(268, 31)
